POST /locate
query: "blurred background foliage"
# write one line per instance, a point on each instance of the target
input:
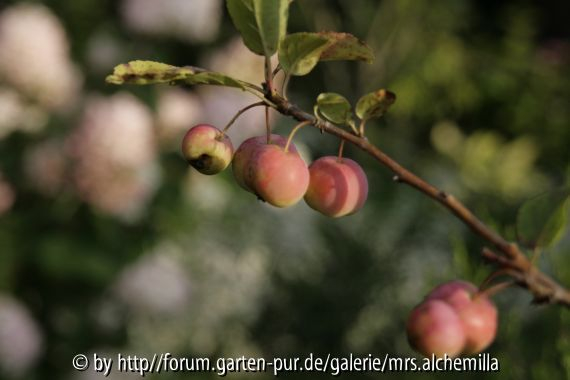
(109, 243)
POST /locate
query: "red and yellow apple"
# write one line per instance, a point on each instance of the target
(207, 149)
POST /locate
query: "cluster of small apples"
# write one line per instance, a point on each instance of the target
(276, 173)
(452, 320)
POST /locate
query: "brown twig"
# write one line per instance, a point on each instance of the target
(543, 288)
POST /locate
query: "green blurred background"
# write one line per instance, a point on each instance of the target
(109, 243)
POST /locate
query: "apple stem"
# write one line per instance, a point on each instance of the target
(340, 151)
(239, 113)
(292, 134)
(267, 125)
(497, 273)
(495, 289)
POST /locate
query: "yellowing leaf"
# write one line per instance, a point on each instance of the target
(300, 52)
(345, 47)
(374, 104)
(149, 72)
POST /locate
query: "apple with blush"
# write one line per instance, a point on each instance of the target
(434, 328)
(207, 149)
(338, 186)
(277, 176)
(476, 311)
(242, 157)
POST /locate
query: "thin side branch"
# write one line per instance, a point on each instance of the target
(543, 288)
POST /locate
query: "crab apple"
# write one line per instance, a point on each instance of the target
(477, 313)
(276, 176)
(453, 289)
(207, 149)
(435, 328)
(243, 154)
(338, 187)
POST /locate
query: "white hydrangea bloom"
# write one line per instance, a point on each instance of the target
(17, 115)
(155, 284)
(236, 60)
(177, 110)
(191, 21)
(34, 56)
(21, 340)
(114, 148)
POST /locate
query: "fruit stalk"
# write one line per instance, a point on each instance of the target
(239, 113)
(340, 150)
(293, 132)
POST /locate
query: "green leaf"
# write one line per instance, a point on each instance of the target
(271, 17)
(149, 72)
(334, 107)
(300, 52)
(543, 220)
(242, 13)
(261, 23)
(345, 47)
(213, 78)
(374, 104)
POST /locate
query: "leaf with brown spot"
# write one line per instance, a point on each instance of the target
(299, 53)
(149, 72)
(374, 104)
(345, 47)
